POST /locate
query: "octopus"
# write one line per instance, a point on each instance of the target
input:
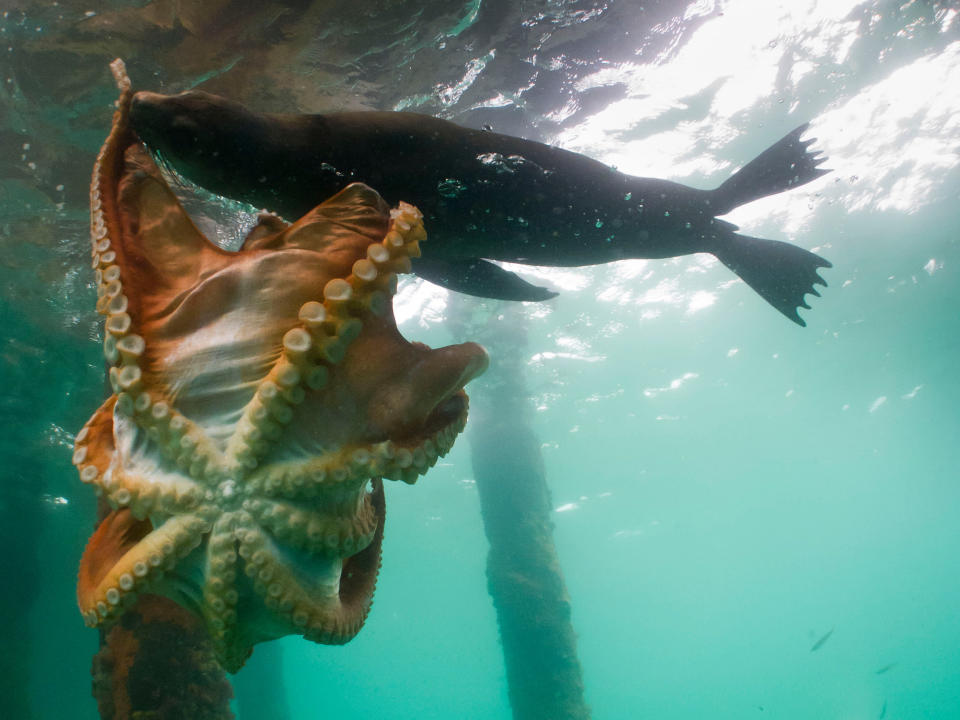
(259, 399)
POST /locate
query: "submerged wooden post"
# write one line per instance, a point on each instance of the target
(523, 574)
(157, 662)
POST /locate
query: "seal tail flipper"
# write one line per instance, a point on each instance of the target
(785, 164)
(780, 272)
(478, 277)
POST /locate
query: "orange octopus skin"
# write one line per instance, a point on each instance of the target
(259, 399)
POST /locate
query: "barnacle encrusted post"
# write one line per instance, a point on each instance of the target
(259, 398)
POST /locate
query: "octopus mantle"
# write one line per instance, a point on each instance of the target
(259, 399)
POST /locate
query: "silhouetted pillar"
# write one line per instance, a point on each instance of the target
(523, 573)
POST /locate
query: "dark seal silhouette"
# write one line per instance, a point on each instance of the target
(485, 196)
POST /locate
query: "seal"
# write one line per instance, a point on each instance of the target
(484, 195)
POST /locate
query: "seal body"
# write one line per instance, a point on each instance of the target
(485, 196)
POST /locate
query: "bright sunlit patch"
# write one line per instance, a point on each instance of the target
(905, 136)
(699, 8)
(889, 144)
(728, 65)
(54, 435)
(568, 109)
(700, 263)
(450, 94)
(558, 279)
(542, 357)
(913, 393)
(666, 292)
(701, 299)
(420, 301)
(675, 384)
(603, 397)
(948, 20)
(652, 527)
(574, 345)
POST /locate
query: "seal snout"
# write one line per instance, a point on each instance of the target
(145, 101)
(162, 123)
(146, 112)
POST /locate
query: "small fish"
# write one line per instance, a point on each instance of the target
(885, 668)
(883, 711)
(820, 643)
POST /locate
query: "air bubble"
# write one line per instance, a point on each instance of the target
(450, 188)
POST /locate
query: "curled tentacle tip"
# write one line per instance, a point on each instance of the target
(119, 70)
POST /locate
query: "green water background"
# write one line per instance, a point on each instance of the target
(728, 487)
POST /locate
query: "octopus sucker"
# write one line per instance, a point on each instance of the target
(259, 396)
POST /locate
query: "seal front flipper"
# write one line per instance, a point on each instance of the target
(782, 273)
(482, 278)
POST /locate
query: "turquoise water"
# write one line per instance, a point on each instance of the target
(727, 488)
